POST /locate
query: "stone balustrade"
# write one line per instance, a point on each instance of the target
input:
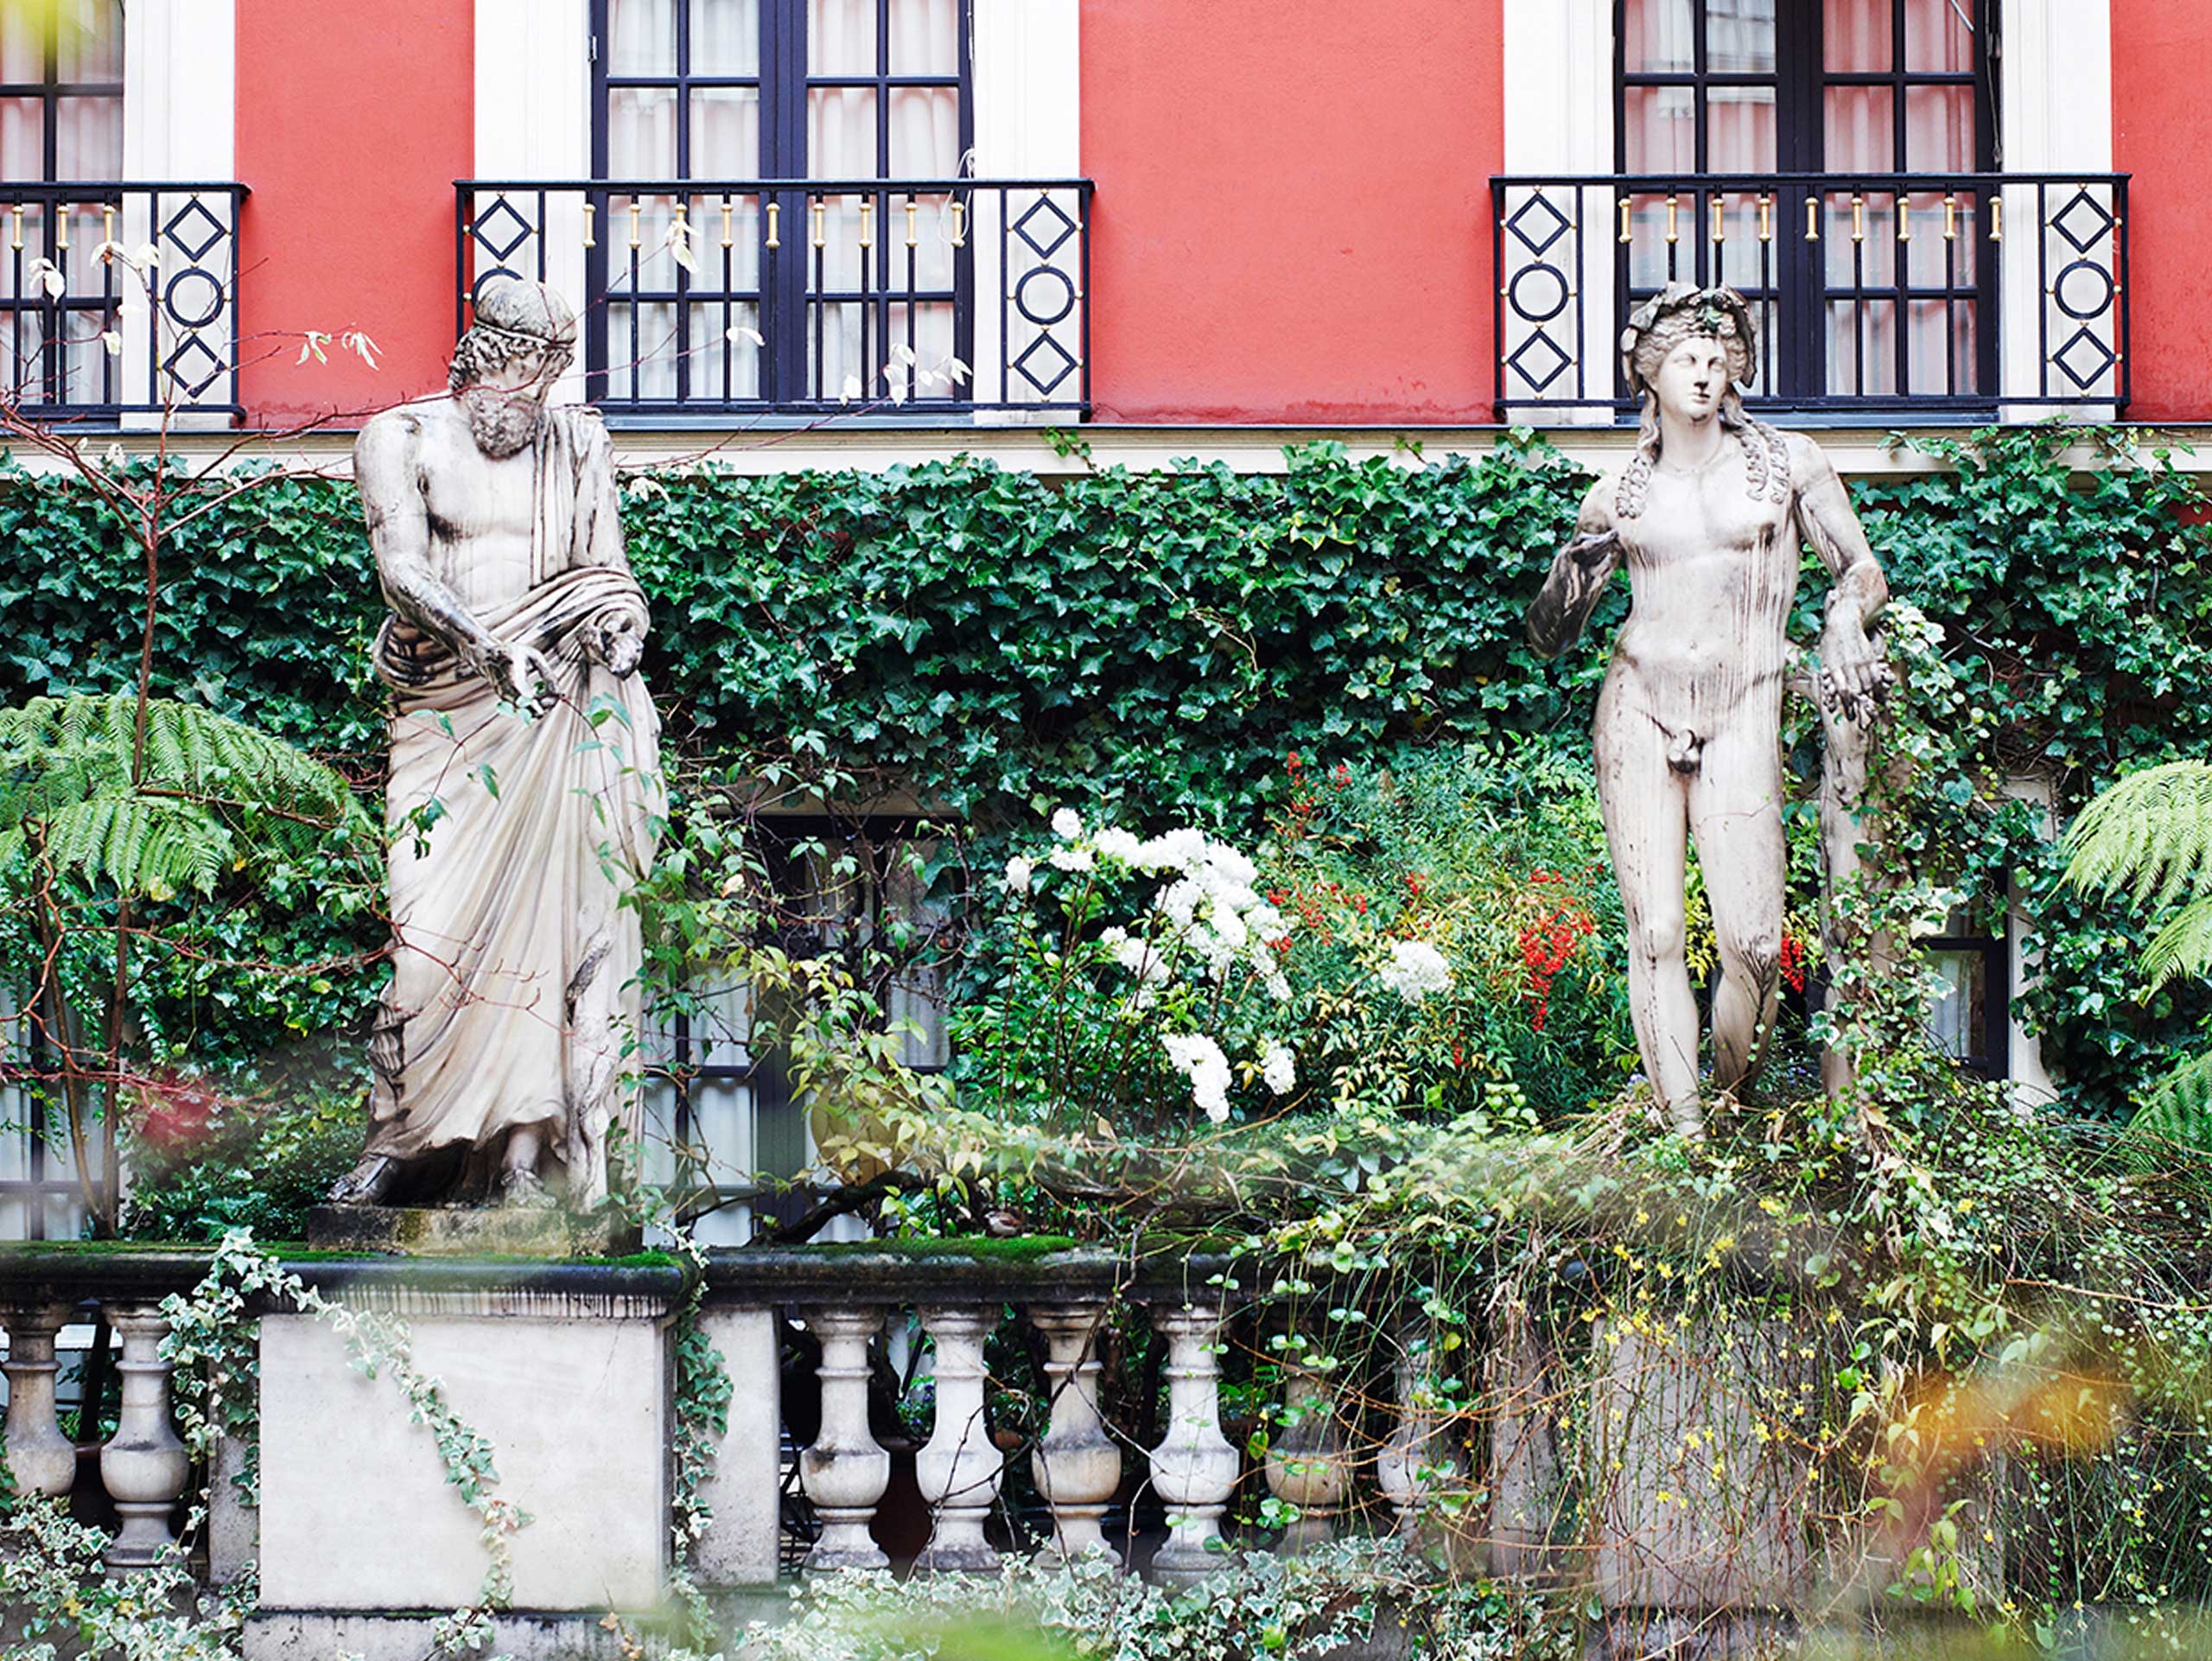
(141, 1465)
(1077, 1402)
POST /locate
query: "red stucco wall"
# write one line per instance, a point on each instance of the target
(1292, 217)
(2162, 134)
(354, 121)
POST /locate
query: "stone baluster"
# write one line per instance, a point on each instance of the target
(1077, 1466)
(1306, 1465)
(1194, 1468)
(844, 1472)
(1409, 1463)
(143, 1464)
(40, 1457)
(959, 1468)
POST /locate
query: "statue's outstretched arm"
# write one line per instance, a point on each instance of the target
(1579, 574)
(399, 534)
(1852, 671)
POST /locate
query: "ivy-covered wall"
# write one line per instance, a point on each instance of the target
(998, 644)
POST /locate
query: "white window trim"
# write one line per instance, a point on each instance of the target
(180, 121)
(533, 120)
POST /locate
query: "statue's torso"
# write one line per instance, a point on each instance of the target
(1713, 572)
(480, 511)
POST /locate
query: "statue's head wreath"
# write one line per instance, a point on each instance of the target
(1683, 311)
(515, 318)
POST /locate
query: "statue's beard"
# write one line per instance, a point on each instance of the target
(503, 426)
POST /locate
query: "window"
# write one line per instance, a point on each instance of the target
(61, 120)
(850, 888)
(834, 281)
(1725, 95)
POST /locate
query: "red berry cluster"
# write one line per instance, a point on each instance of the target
(1547, 941)
(1792, 962)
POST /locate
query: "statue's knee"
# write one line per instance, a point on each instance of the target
(1660, 940)
(1756, 954)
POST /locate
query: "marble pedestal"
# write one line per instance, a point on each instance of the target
(363, 1540)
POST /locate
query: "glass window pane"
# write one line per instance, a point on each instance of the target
(23, 52)
(641, 37)
(841, 132)
(724, 132)
(1739, 37)
(1862, 347)
(1861, 239)
(725, 37)
(641, 132)
(88, 42)
(643, 367)
(925, 132)
(1740, 130)
(1662, 126)
(22, 138)
(1861, 134)
(728, 246)
(1933, 260)
(1658, 37)
(1939, 129)
(88, 138)
(925, 37)
(722, 367)
(1939, 36)
(841, 37)
(1856, 36)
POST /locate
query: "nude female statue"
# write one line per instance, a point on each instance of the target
(1708, 516)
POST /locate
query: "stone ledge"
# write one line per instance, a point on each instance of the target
(404, 1635)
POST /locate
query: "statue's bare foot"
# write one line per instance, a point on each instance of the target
(366, 1183)
(521, 1190)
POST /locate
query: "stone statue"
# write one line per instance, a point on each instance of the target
(1708, 516)
(525, 794)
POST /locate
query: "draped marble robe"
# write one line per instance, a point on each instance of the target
(515, 994)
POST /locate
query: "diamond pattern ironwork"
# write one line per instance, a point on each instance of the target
(175, 362)
(1066, 367)
(214, 229)
(2075, 343)
(1045, 205)
(500, 251)
(1560, 361)
(1560, 224)
(2081, 199)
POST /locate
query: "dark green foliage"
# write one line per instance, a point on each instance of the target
(1000, 644)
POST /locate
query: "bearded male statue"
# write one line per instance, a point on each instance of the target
(1708, 515)
(524, 795)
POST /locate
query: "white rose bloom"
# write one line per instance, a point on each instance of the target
(1231, 929)
(1279, 987)
(1071, 859)
(1415, 969)
(1279, 1069)
(1114, 842)
(1267, 924)
(1198, 1059)
(1178, 850)
(1017, 873)
(1179, 900)
(1067, 824)
(1231, 868)
(1139, 959)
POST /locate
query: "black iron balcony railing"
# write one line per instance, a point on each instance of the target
(1891, 295)
(806, 296)
(90, 326)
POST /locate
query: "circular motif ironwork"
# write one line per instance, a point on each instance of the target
(176, 310)
(476, 287)
(2104, 300)
(1022, 295)
(1522, 306)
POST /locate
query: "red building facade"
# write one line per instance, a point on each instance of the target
(1126, 213)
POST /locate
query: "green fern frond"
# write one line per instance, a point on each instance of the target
(2151, 833)
(2178, 1109)
(212, 791)
(2181, 946)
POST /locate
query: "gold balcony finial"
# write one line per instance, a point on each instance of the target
(775, 213)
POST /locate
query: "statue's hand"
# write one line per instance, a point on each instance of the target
(522, 675)
(1854, 675)
(1592, 551)
(618, 643)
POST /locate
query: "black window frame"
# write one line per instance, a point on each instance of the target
(791, 285)
(1799, 289)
